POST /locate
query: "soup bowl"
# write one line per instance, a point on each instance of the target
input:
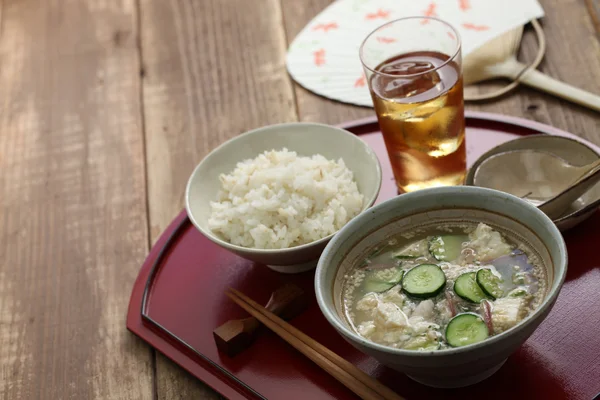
(453, 367)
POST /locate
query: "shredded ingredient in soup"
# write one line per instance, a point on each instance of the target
(451, 286)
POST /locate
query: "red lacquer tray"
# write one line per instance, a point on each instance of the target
(185, 276)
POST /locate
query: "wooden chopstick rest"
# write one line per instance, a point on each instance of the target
(236, 335)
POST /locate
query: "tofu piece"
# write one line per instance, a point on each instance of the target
(419, 325)
(453, 271)
(367, 328)
(389, 315)
(424, 310)
(487, 243)
(444, 312)
(507, 312)
(393, 296)
(408, 307)
(367, 303)
(393, 337)
(422, 342)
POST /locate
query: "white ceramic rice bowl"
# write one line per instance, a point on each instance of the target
(306, 139)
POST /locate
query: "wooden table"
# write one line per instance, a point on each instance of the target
(106, 106)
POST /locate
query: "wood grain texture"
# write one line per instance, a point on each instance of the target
(74, 225)
(572, 56)
(212, 70)
(594, 10)
(73, 228)
(311, 107)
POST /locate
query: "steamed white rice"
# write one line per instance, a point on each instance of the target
(280, 200)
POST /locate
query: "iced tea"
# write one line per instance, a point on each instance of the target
(418, 98)
(413, 66)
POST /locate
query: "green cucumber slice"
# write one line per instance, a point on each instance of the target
(446, 247)
(424, 281)
(489, 283)
(394, 277)
(376, 283)
(404, 257)
(466, 288)
(377, 286)
(465, 329)
(412, 251)
(518, 292)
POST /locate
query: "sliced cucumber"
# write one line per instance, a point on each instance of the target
(412, 251)
(377, 286)
(404, 257)
(465, 329)
(393, 277)
(424, 281)
(489, 283)
(446, 247)
(422, 343)
(518, 292)
(378, 282)
(466, 287)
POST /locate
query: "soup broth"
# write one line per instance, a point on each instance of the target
(449, 286)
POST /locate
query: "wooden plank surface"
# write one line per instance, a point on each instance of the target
(73, 226)
(572, 56)
(594, 10)
(83, 191)
(212, 70)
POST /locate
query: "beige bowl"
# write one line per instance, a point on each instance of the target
(306, 139)
(574, 152)
(449, 367)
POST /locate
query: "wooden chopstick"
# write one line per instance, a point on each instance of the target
(352, 377)
(333, 369)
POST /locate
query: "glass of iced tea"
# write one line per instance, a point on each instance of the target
(413, 67)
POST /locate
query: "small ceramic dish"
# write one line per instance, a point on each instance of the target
(574, 152)
(306, 139)
(453, 367)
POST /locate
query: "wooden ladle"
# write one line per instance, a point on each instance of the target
(547, 181)
(497, 59)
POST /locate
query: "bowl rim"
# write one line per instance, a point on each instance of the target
(470, 176)
(355, 224)
(262, 130)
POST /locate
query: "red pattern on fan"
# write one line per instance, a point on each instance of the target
(325, 27)
(360, 82)
(319, 57)
(474, 27)
(383, 14)
(381, 39)
(429, 12)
